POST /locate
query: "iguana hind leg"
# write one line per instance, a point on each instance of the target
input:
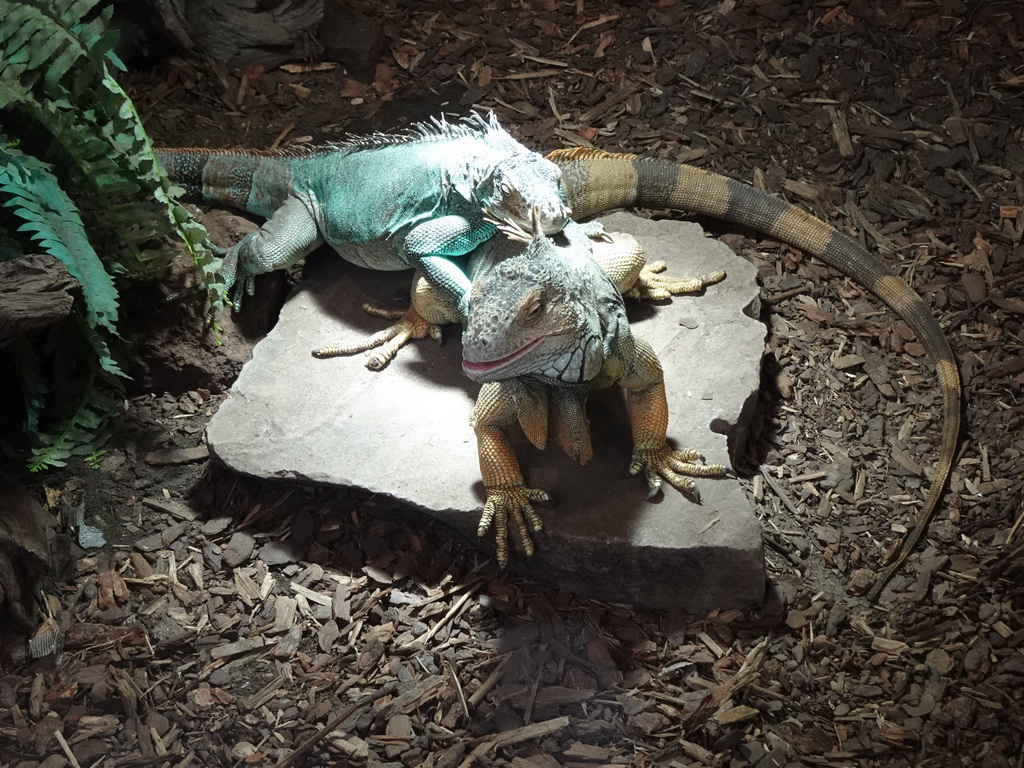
(384, 345)
(429, 310)
(651, 285)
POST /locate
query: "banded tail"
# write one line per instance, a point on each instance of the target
(247, 180)
(597, 181)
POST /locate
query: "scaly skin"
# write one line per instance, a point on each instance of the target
(597, 181)
(540, 299)
(408, 201)
(545, 324)
(622, 259)
(502, 403)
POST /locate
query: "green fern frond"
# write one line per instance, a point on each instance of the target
(104, 148)
(143, 163)
(56, 71)
(49, 217)
(103, 354)
(42, 40)
(82, 433)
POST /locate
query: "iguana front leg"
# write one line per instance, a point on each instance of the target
(286, 237)
(622, 259)
(647, 406)
(430, 244)
(499, 405)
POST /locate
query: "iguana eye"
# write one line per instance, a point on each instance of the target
(531, 310)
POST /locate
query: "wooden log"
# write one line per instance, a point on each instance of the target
(244, 33)
(24, 552)
(35, 291)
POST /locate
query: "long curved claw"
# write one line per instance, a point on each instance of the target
(386, 343)
(678, 467)
(515, 502)
(651, 285)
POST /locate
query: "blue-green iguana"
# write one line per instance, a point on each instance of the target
(413, 200)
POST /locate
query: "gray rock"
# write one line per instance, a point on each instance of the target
(280, 552)
(238, 549)
(404, 432)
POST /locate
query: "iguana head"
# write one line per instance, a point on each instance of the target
(539, 311)
(522, 191)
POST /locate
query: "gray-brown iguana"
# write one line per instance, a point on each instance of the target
(596, 182)
(404, 201)
(546, 323)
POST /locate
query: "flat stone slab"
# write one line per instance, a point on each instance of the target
(404, 432)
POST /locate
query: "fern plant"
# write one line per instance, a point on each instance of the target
(56, 77)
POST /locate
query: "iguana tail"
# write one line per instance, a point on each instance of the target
(597, 181)
(246, 180)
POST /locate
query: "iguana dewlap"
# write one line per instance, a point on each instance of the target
(404, 201)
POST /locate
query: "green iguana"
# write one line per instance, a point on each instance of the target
(405, 201)
(596, 182)
(546, 323)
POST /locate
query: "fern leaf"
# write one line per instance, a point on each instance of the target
(23, 23)
(81, 433)
(51, 219)
(12, 89)
(103, 355)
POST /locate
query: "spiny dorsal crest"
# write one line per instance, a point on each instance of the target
(473, 125)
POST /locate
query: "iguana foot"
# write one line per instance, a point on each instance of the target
(653, 286)
(678, 467)
(595, 231)
(232, 269)
(243, 286)
(385, 344)
(511, 501)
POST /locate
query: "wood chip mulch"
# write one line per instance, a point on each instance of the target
(226, 622)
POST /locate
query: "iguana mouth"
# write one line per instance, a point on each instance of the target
(489, 366)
